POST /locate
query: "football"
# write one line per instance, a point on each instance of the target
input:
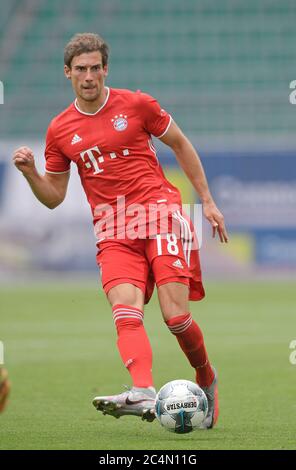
(181, 406)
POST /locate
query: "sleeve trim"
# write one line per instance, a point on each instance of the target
(57, 172)
(166, 129)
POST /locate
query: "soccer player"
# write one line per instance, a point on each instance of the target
(107, 133)
(4, 388)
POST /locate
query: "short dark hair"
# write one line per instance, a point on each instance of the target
(85, 42)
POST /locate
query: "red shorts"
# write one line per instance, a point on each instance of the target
(149, 261)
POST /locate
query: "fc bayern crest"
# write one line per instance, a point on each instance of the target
(120, 122)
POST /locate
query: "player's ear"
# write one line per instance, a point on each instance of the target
(67, 72)
(106, 70)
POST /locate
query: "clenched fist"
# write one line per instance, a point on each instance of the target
(23, 159)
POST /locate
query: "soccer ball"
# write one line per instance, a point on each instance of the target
(181, 406)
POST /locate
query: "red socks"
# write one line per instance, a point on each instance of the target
(190, 338)
(135, 349)
(133, 344)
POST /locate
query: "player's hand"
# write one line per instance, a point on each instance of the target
(23, 158)
(216, 219)
(4, 388)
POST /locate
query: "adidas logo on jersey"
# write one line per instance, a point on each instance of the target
(75, 139)
(178, 264)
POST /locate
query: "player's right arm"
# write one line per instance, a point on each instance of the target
(50, 189)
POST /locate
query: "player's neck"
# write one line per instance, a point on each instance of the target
(92, 107)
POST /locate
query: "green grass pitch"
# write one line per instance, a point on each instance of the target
(60, 351)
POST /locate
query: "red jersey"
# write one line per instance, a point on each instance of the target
(113, 150)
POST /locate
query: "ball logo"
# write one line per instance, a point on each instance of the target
(120, 123)
(181, 406)
(175, 404)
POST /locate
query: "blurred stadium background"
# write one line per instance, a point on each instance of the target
(222, 68)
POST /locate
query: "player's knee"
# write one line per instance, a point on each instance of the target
(126, 294)
(173, 310)
(173, 299)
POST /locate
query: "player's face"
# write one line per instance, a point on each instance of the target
(87, 75)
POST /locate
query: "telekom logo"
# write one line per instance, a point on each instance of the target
(92, 157)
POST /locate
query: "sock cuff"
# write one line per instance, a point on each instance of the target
(125, 312)
(179, 323)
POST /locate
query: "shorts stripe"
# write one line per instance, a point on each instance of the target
(189, 237)
(186, 236)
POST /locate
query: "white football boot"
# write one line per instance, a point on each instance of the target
(135, 401)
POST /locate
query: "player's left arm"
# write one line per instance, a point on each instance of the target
(192, 166)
